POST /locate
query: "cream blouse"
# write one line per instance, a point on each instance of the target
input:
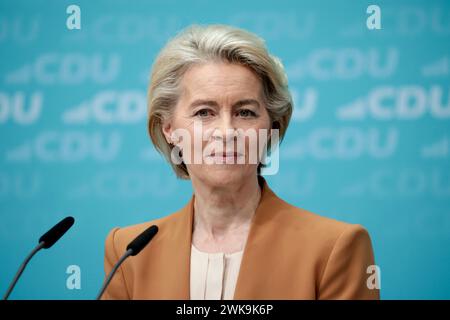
(214, 275)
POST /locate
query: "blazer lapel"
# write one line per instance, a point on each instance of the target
(177, 273)
(256, 264)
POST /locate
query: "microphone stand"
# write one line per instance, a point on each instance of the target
(22, 268)
(128, 253)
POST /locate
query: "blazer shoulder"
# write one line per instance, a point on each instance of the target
(305, 223)
(119, 237)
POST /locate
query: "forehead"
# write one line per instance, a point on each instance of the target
(215, 80)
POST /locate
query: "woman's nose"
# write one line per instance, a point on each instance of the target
(225, 129)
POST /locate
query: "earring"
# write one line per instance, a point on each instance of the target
(180, 153)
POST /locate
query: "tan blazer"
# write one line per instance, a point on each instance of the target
(290, 253)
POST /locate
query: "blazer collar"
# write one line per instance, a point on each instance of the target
(252, 273)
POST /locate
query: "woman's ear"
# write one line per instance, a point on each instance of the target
(167, 131)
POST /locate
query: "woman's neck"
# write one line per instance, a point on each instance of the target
(222, 215)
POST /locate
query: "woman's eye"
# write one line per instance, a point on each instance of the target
(202, 113)
(245, 113)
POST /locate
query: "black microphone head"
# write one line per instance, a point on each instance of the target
(54, 234)
(142, 240)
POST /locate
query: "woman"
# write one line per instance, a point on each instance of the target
(235, 239)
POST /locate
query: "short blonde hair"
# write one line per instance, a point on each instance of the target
(199, 44)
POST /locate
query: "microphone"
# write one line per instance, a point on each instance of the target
(47, 240)
(133, 248)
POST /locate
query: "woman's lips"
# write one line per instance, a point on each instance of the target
(225, 154)
(226, 157)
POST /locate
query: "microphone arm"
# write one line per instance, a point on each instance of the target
(46, 241)
(128, 253)
(133, 248)
(22, 268)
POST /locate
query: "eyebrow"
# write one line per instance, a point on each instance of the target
(212, 103)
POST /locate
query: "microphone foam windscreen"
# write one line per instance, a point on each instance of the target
(142, 240)
(54, 234)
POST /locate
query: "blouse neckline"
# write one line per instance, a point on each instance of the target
(216, 254)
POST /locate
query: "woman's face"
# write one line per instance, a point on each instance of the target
(216, 100)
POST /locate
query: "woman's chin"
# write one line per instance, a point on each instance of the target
(224, 174)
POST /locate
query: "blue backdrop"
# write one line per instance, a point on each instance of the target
(368, 142)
